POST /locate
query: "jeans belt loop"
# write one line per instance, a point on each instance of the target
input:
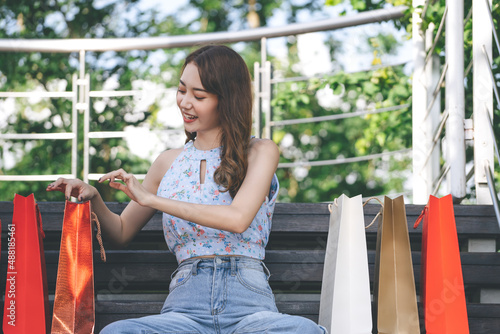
(194, 268)
(233, 266)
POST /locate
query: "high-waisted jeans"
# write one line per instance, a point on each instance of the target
(218, 295)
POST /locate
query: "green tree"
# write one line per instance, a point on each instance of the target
(340, 94)
(356, 137)
(53, 71)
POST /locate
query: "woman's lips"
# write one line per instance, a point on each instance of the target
(189, 118)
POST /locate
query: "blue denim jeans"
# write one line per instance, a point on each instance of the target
(218, 295)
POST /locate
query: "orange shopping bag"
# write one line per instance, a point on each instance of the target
(74, 308)
(26, 306)
(442, 286)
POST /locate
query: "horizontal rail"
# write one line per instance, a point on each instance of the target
(95, 176)
(493, 25)
(444, 172)
(469, 15)
(493, 192)
(107, 134)
(436, 91)
(122, 93)
(438, 35)
(495, 89)
(470, 174)
(492, 132)
(468, 69)
(435, 139)
(323, 75)
(125, 134)
(439, 130)
(338, 116)
(37, 136)
(32, 94)
(165, 42)
(35, 177)
(340, 160)
(115, 93)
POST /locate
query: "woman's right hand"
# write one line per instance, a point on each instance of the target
(73, 187)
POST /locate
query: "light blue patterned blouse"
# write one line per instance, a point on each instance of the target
(187, 239)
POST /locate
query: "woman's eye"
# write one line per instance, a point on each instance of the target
(199, 98)
(181, 91)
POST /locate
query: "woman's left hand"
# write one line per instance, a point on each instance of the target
(130, 186)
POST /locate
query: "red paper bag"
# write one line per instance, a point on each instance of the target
(442, 285)
(26, 306)
(74, 308)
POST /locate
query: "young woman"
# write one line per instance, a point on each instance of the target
(217, 195)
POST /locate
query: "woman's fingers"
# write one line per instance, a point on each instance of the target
(72, 188)
(123, 181)
(119, 174)
(113, 176)
(68, 191)
(56, 185)
(118, 179)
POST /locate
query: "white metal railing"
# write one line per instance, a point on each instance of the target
(483, 88)
(426, 112)
(335, 117)
(268, 82)
(489, 173)
(491, 186)
(47, 136)
(430, 123)
(168, 42)
(81, 88)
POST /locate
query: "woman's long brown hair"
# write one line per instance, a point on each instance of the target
(223, 72)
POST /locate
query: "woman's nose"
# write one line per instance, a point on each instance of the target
(185, 101)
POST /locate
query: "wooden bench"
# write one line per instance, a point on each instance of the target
(134, 282)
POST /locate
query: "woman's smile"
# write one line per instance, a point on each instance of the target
(189, 118)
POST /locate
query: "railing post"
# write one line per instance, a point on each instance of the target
(433, 113)
(266, 98)
(482, 87)
(86, 128)
(419, 101)
(455, 98)
(482, 96)
(74, 128)
(84, 106)
(262, 94)
(256, 101)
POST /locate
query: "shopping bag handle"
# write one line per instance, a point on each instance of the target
(99, 237)
(39, 218)
(378, 213)
(419, 219)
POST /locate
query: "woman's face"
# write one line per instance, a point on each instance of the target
(198, 107)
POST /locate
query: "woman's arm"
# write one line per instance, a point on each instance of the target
(119, 229)
(263, 160)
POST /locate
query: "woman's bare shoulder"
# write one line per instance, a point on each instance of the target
(262, 146)
(263, 150)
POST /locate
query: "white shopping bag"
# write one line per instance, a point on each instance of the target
(345, 305)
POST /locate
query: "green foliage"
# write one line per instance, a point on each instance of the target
(35, 19)
(350, 137)
(53, 72)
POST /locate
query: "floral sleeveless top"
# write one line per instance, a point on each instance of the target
(187, 239)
